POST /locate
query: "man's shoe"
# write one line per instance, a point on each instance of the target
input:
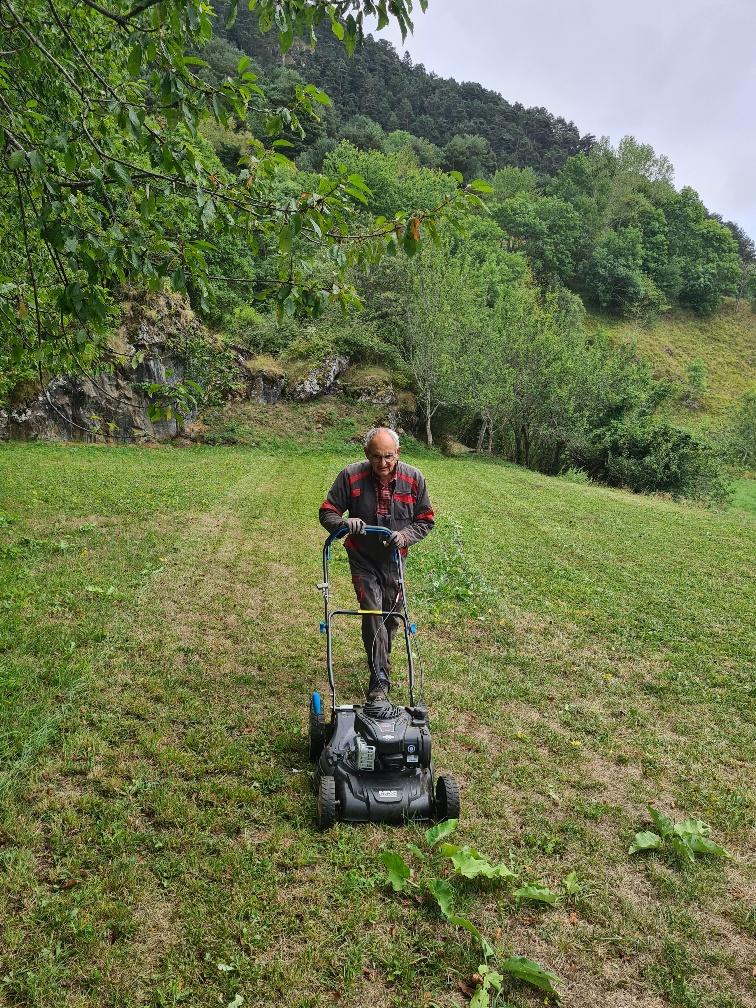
(378, 692)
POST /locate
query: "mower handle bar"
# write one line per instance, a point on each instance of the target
(372, 529)
(324, 587)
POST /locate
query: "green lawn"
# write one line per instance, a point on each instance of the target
(587, 653)
(744, 495)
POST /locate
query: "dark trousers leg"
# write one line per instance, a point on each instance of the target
(377, 589)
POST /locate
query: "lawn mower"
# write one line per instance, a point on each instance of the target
(373, 760)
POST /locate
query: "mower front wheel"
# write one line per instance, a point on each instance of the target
(447, 799)
(326, 803)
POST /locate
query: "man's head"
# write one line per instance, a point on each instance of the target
(382, 450)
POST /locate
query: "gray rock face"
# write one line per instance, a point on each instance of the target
(106, 406)
(112, 406)
(265, 389)
(318, 380)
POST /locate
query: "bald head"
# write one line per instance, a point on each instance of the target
(382, 450)
(380, 432)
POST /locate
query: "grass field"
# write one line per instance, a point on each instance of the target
(587, 653)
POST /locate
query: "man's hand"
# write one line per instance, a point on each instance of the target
(356, 526)
(396, 539)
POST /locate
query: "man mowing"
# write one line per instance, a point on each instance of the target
(387, 492)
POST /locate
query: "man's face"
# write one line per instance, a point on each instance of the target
(383, 454)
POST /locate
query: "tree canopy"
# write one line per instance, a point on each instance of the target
(109, 179)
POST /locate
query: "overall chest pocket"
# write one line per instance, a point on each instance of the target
(404, 505)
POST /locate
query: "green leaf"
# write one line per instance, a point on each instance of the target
(530, 972)
(233, 10)
(441, 830)
(410, 244)
(467, 924)
(397, 868)
(178, 279)
(664, 825)
(702, 845)
(319, 96)
(443, 894)
(682, 849)
(118, 173)
(470, 864)
(338, 30)
(36, 162)
(207, 216)
(490, 977)
(17, 160)
(572, 884)
(284, 240)
(535, 892)
(694, 833)
(134, 62)
(480, 999)
(480, 186)
(645, 840)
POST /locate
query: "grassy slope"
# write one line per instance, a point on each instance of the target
(726, 343)
(586, 653)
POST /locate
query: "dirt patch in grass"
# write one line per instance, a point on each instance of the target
(157, 934)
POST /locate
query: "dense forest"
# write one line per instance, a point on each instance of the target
(471, 233)
(376, 83)
(608, 224)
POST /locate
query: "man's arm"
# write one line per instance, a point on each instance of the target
(423, 519)
(335, 504)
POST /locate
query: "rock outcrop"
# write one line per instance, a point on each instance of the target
(375, 386)
(158, 340)
(317, 380)
(264, 377)
(113, 405)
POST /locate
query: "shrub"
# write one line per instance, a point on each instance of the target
(696, 385)
(260, 332)
(740, 433)
(575, 475)
(655, 457)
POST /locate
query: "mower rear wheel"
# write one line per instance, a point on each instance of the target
(447, 799)
(326, 803)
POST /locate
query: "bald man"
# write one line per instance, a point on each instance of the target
(379, 491)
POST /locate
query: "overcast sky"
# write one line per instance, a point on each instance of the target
(678, 74)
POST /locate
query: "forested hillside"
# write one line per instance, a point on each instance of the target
(459, 259)
(398, 95)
